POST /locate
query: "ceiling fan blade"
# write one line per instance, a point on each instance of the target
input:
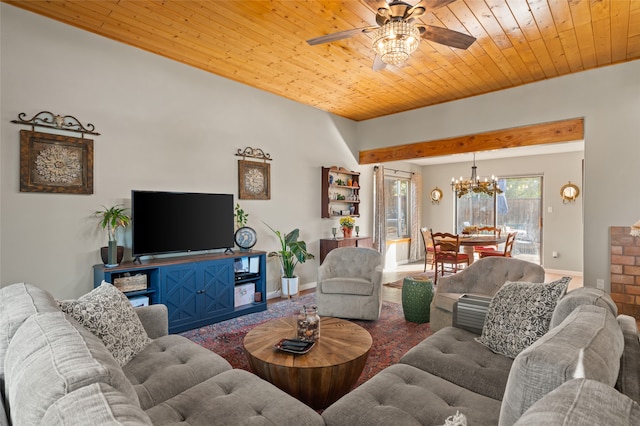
(435, 4)
(446, 36)
(378, 65)
(337, 36)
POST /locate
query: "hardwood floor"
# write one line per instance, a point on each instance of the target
(394, 295)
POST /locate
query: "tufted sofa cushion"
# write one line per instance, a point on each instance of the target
(170, 365)
(452, 353)
(582, 402)
(52, 348)
(96, 404)
(552, 360)
(405, 395)
(17, 303)
(581, 296)
(234, 397)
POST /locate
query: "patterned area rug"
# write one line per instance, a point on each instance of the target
(398, 283)
(392, 335)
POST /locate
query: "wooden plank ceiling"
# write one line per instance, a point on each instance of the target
(263, 44)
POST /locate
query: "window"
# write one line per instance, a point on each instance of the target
(517, 209)
(397, 206)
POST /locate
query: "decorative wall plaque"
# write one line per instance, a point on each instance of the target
(254, 180)
(55, 163)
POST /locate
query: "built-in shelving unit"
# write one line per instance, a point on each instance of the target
(340, 192)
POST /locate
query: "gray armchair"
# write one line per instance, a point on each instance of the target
(350, 284)
(483, 278)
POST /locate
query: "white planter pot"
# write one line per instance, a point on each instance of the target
(289, 286)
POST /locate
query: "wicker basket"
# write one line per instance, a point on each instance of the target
(132, 283)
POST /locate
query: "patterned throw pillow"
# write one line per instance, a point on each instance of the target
(519, 314)
(108, 314)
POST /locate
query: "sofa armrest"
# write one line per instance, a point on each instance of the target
(155, 320)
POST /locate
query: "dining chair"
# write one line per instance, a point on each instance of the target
(508, 246)
(487, 230)
(429, 249)
(447, 252)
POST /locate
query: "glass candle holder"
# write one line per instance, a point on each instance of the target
(308, 324)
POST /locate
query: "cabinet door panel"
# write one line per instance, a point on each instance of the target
(180, 293)
(219, 280)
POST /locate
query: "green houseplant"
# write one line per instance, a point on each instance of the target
(292, 251)
(241, 217)
(110, 219)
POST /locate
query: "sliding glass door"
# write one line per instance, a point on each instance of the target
(517, 209)
(522, 213)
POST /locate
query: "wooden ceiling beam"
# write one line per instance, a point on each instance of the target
(515, 137)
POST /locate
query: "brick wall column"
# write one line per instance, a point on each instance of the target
(625, 271)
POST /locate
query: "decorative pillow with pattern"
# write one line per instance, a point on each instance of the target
(519, 314)
(108, 314)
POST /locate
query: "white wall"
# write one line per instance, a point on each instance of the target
(164, 126)
(167, 126)
(608, 99)
(562, 229)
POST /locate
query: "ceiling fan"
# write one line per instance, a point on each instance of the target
(398, 34)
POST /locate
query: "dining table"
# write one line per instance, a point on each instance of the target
(469, 242)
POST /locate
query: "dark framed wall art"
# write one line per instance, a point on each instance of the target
(254, 181)
(55, 163)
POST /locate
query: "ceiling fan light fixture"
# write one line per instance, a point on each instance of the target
(395, 41)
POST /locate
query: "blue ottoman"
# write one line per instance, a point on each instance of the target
(417, 293)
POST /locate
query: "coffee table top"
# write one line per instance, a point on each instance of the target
(340, 342)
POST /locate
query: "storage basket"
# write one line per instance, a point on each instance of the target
(131, 283)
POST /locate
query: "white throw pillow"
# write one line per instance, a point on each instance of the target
(519, 314)
(108, 314)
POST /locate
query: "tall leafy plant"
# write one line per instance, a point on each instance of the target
(291, 251)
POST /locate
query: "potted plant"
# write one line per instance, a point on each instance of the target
(241, 217)
(112, 218)
(292, 251)
(347, 223)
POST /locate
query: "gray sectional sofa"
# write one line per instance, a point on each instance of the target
(586, 368)
(53, 371)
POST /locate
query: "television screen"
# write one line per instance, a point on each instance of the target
(170, 222)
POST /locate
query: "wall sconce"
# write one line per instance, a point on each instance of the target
(436, 195)
(569, 192)
(635, 229)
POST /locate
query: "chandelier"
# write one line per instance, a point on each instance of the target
(395, 41)
(474, 185)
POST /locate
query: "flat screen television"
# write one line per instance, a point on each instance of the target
(173, 222)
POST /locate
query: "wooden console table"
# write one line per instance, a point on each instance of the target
(326, 245)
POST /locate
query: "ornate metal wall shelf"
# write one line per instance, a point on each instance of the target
(256, 153)
(53, 121)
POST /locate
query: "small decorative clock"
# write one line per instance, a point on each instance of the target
(246, 237)
(253, 180)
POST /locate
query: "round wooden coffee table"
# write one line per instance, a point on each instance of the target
(319, 377)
